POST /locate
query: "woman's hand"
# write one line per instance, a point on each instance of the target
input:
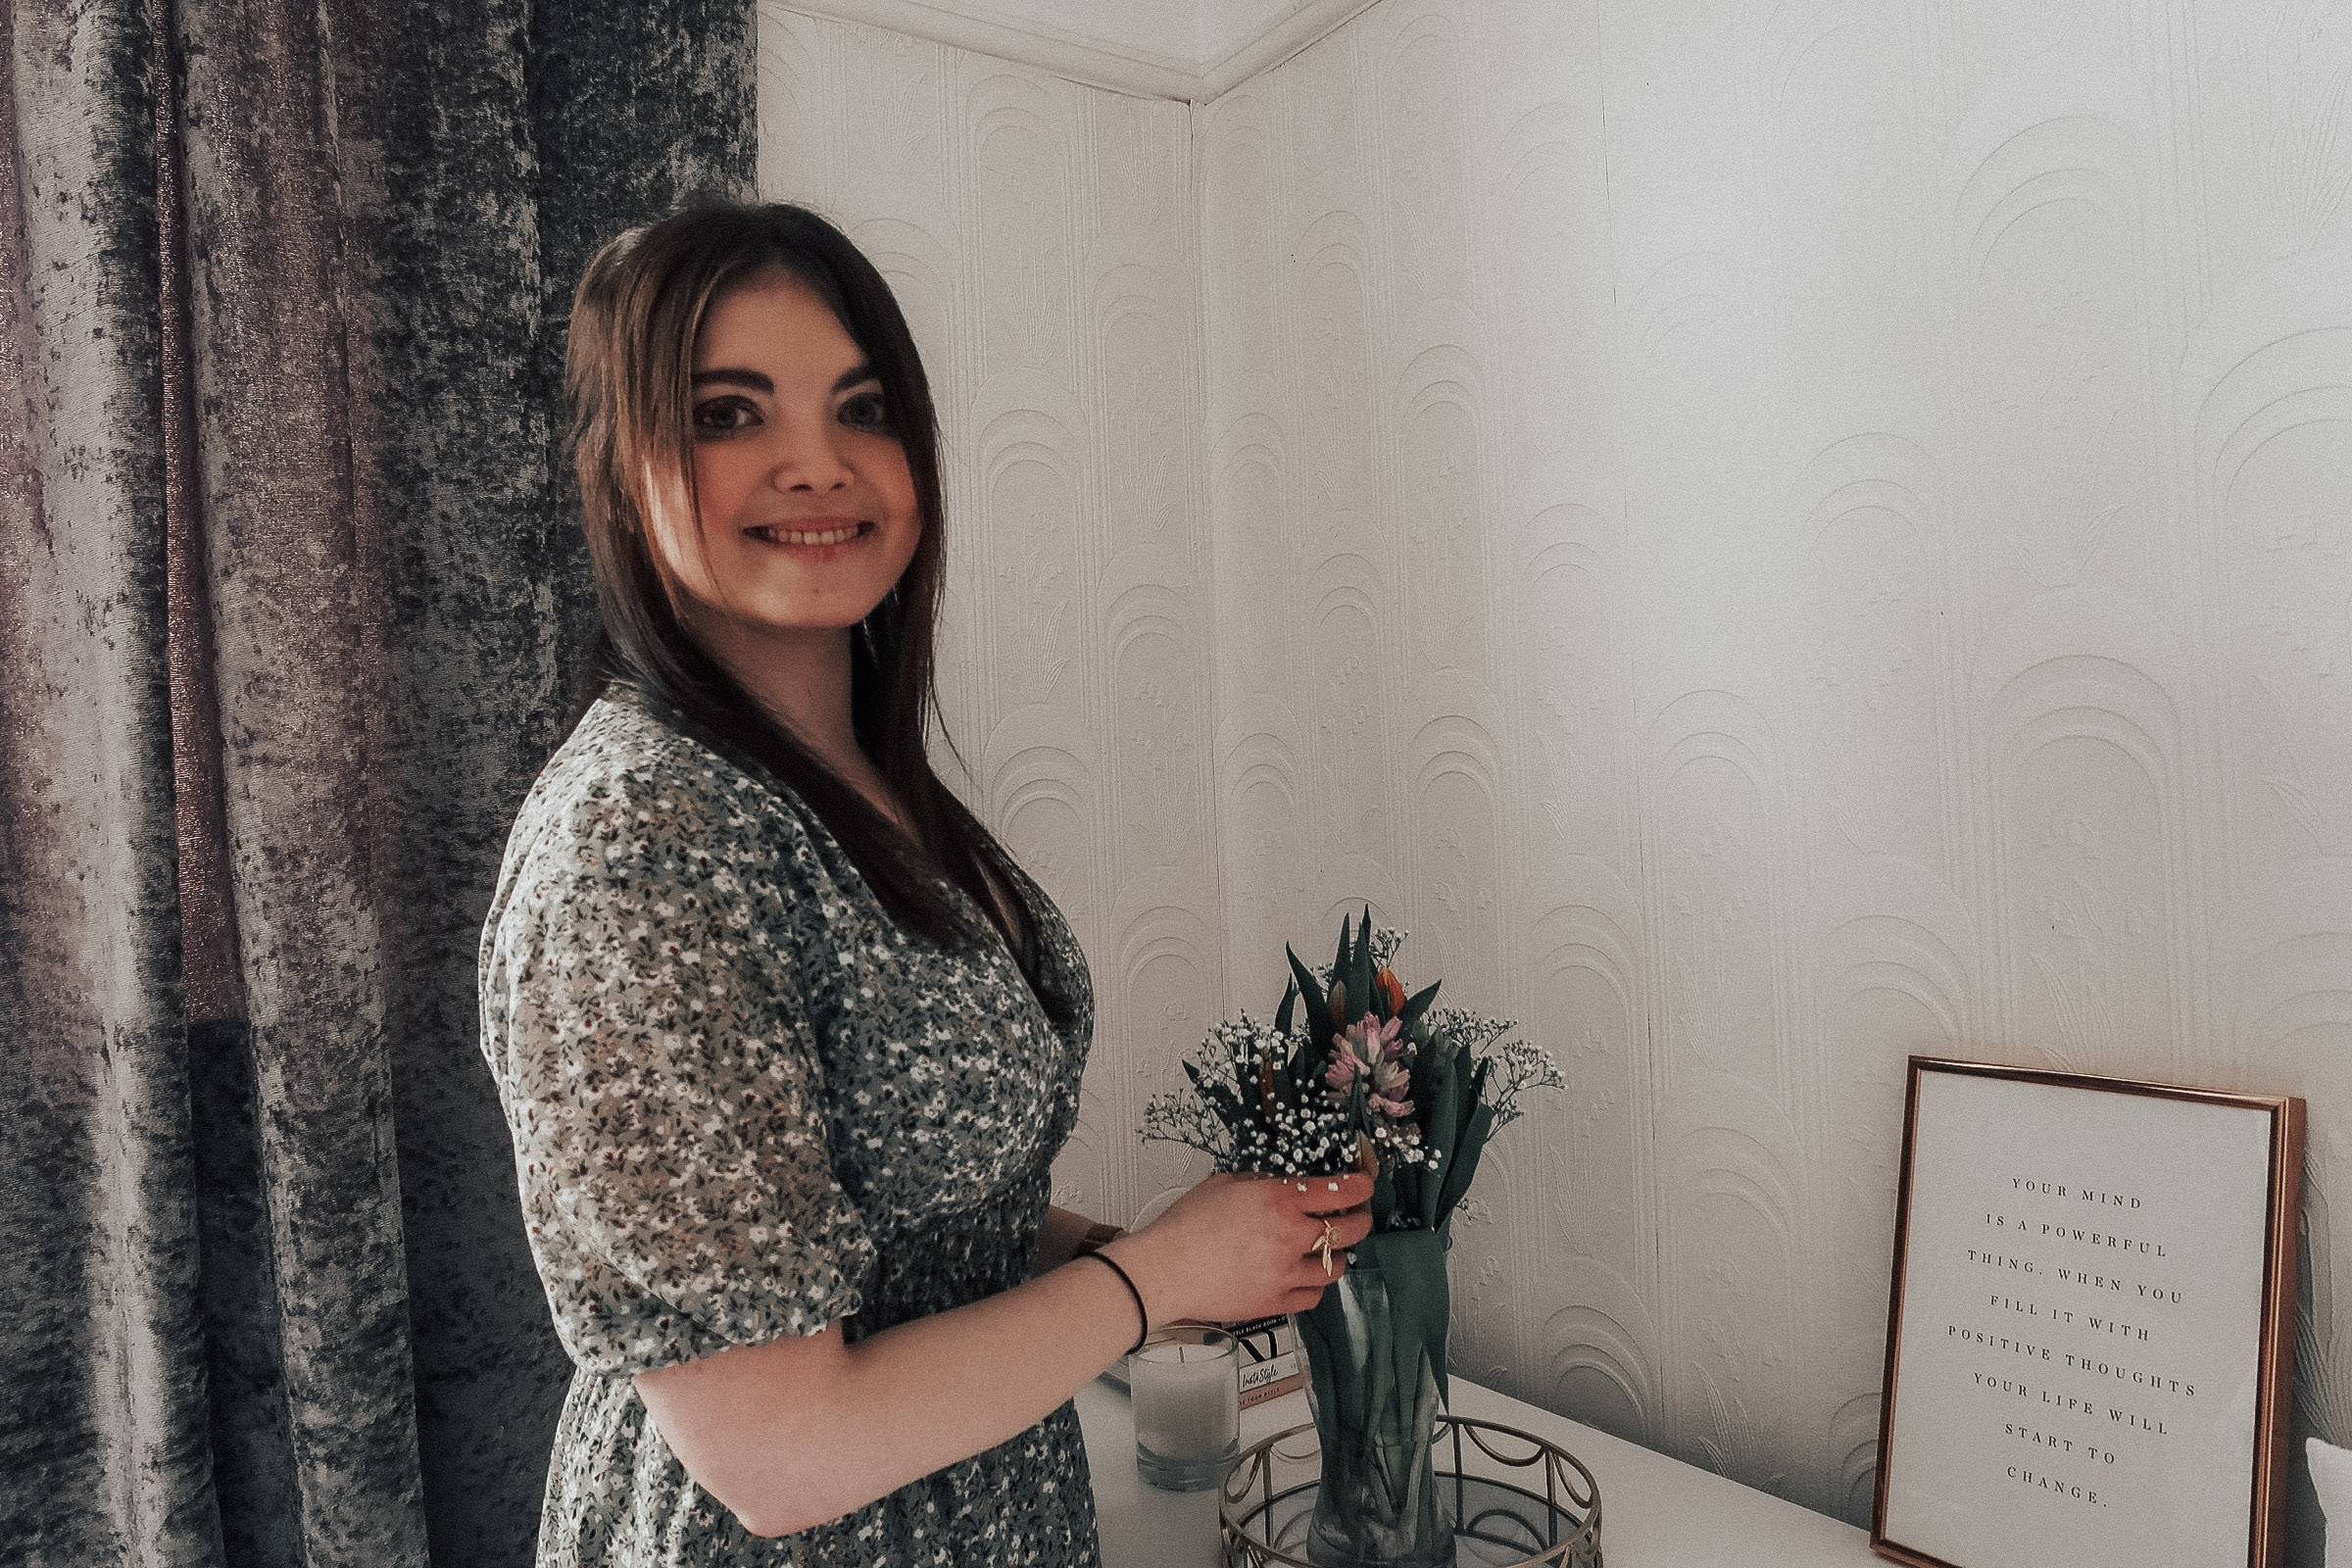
(1245, 1247)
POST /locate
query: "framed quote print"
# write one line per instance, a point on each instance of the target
(2089, 1335)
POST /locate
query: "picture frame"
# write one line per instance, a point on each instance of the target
(2091, 1326)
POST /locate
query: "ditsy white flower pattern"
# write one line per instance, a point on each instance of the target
(745, 1102)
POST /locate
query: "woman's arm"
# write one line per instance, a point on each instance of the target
(802, 1430)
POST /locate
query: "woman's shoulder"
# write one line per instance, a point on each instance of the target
(628, 774)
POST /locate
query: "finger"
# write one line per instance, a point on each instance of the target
(1321, 1195)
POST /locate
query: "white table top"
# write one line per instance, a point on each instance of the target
(1657, 1512)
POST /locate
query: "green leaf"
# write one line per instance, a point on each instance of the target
(1384, 1200)
(1322, 1332)
(1429, 1073)
(1282, 1014)
(1318, 1017)
(1306, 1065)
(1405, 1195)
(1471, 1145)
(1413, 1268)
(1421, 1075)
(1440, 1313)
(1443, 1134)
(1409, 1346)
(1468, 1069)
(1360, 967)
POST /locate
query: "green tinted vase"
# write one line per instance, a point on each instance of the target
(1375, 1351)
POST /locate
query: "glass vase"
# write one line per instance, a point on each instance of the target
(1374, 1348)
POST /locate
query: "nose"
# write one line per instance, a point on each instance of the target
(809, 458)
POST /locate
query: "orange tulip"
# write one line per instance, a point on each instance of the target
(1391, 991)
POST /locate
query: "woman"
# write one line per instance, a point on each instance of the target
(786, 1041)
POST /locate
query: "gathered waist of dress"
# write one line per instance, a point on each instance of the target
(935, 1262)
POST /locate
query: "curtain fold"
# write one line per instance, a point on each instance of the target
(104, 1447)
(291, 593)
(298, 613)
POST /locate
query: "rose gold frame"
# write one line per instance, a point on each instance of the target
(2274, 1356)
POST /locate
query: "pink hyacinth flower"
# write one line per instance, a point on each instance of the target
(1373, 1041)
(1375, 1050)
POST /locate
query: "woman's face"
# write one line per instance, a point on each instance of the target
(808, 512)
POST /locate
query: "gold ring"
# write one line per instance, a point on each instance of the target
(1325, 1245)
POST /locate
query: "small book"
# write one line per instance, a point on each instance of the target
(1271, 1380)
(1263, 1338)
(1269, 1357)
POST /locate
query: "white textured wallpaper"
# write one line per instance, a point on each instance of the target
(1768, 537)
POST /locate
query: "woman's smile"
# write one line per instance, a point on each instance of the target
(818, 532)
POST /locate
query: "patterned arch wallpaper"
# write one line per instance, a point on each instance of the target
(1770, 537)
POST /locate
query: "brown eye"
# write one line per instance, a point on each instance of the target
(722, 416)
(868, 411)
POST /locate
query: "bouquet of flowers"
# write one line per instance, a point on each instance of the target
(1355, 1075)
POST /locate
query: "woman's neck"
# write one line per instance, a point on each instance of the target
(801, 678)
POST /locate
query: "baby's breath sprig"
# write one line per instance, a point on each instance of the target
(1246, 1112)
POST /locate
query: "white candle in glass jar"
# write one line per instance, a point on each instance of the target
(1187, 1392)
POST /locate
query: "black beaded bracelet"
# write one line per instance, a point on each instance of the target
(1140, 1312)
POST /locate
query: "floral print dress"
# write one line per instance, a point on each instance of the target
(746, 1103)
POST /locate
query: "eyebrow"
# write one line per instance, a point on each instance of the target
(758, 380)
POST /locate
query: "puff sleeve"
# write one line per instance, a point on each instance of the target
(660, 1081)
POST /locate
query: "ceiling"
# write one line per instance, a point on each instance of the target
(1188, 49)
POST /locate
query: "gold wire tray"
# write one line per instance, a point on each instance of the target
(1497, 1524)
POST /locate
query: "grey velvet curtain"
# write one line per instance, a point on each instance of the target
(290, 597)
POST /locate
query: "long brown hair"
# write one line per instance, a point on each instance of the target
(627, 371)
